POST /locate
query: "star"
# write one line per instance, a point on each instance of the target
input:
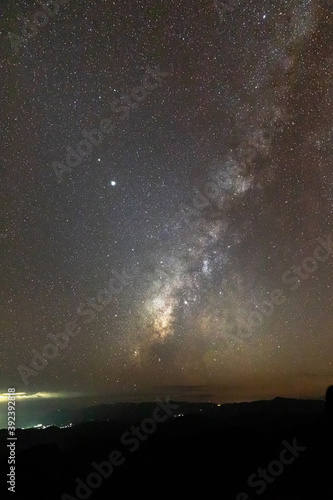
(222, 148)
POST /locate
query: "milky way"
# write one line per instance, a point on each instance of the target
(207, 192)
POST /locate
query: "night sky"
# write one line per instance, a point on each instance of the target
(208, 193)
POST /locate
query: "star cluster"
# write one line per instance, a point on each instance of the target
(206, 191)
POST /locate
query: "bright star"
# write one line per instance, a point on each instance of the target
(113, 183)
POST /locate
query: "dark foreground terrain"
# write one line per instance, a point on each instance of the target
(279, 450)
